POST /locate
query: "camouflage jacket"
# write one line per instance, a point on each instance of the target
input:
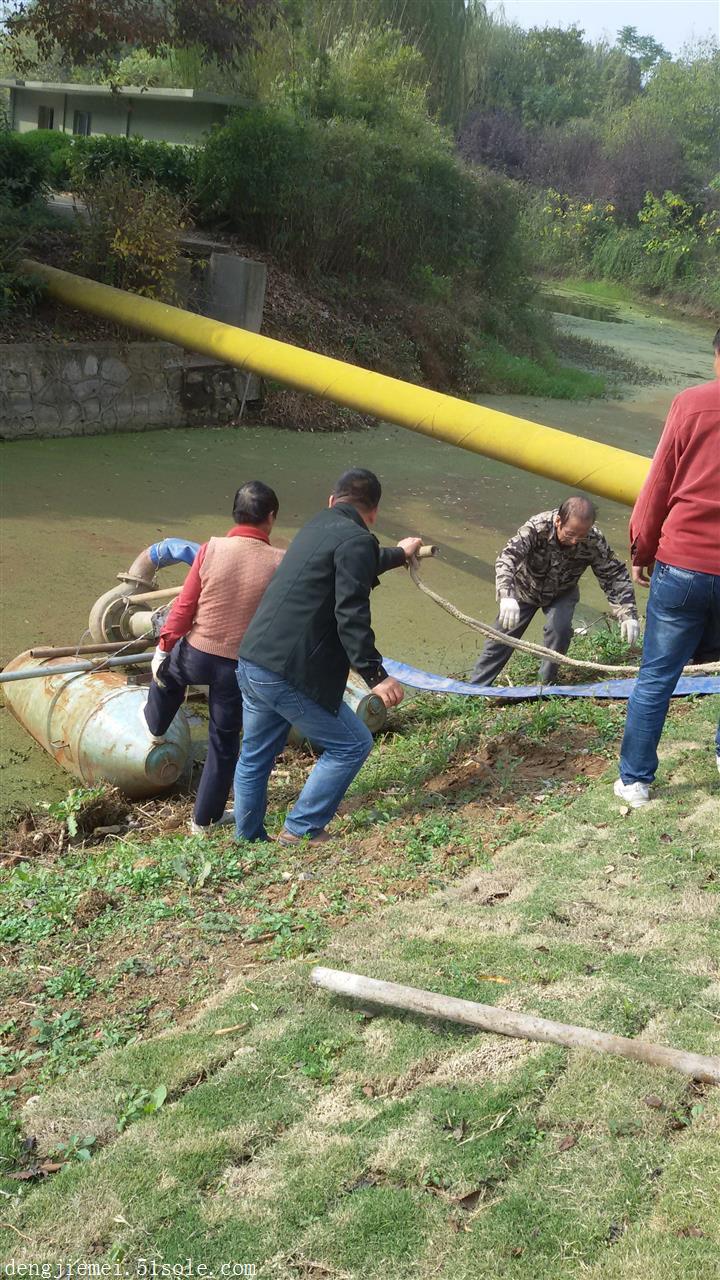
(534, 567)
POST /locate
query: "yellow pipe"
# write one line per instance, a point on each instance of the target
(575, 462)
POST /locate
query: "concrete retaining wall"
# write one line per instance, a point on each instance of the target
(87, 389)
(80, 389)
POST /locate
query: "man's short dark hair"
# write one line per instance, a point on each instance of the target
(578, 506)
(254, 502)
(359, 487)
(716, 343)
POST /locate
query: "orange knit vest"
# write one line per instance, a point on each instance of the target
(234, 575)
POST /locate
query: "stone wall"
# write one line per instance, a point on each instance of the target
(86, 389)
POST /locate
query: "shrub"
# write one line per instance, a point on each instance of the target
(18, 292)
(132, 235)
(171, 167)
(564, 232)
(341, 196)
(51, 149)
(23, 172)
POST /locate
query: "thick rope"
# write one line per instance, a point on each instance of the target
(539, 650)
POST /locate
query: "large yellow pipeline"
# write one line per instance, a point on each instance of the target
(577, 463)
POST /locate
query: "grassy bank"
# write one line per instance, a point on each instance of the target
(308, 1137)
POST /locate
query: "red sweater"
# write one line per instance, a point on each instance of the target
(225, 584)
(676, 518)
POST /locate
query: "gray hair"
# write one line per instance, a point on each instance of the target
(578, 506)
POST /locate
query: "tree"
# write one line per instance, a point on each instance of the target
(644, 49)
(100, 31)
(445, 32)
(558, 75)
(684, 95)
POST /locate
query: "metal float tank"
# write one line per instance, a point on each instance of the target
(92, 725)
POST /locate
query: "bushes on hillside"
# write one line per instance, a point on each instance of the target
(131, 237)
(51, 149)
(172, 167)
(23, 172)
(340, 196)
(32, 163)
(18, 291)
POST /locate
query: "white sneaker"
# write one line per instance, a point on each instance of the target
(227, 818)
(717, 761)
(636, 794)
(144, 723)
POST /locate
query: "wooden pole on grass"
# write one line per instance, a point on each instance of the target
(505, 1022)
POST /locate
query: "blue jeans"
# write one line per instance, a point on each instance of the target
(270, 707)
(683, 608)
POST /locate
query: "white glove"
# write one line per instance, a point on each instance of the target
(509, 613)
(158, 658)
(630, 630)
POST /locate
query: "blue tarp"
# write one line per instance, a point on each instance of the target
(425, 680)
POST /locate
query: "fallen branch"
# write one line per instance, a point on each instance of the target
(505, 1022)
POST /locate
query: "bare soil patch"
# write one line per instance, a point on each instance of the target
(514, 764)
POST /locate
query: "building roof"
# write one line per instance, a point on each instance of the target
(126, 91)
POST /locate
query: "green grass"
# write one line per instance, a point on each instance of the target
(497, 370)
(323, 1138)
(600, 290)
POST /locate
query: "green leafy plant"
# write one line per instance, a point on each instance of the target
(76, 1148)
(68, 811)
(72, 981)
(143, 1102)
(12, 1060)
(381, 198)
(319, 1060)
(52, 150)
(52, 1031)
(170, 166)
(131, 240)
(193, 876)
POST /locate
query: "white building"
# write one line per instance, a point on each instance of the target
(163, 115)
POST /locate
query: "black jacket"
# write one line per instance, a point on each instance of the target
(313, 622)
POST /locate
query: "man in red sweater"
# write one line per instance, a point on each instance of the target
(675, 525)
(200, 641)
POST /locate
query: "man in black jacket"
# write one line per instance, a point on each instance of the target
(311, 627)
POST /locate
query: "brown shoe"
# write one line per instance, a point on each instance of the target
(289, 837)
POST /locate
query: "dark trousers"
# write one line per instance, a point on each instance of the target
(557, 634)
(185, 666)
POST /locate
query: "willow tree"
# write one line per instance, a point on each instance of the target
(444, 31)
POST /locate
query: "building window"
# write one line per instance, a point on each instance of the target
(81, 124)
(46, 116)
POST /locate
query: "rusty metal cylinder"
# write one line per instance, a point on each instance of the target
(92, 725)
(366, 705)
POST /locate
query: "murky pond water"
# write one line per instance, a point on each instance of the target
(567, 304)
(77, 512)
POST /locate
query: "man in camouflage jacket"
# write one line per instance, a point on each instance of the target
(540, 568)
